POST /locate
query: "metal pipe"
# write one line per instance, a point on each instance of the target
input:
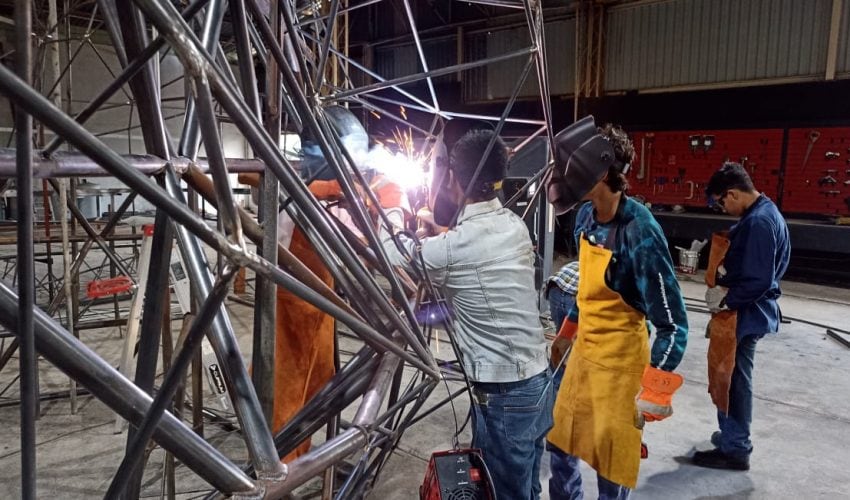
(326, 44)
(258, 438)
(190, 139)
(265, 293)
(173, 379)
(75, 359)
(26, 266)
(433, 74)
(418, 43)
(129, 71)
(353, 439)
(151, 329)
(70, 164)
(158, 11)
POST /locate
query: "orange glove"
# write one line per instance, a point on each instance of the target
(655, 399)
(249, 179)
(326, 190)
(390, 194)
(562, 342)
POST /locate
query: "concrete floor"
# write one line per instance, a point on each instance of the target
(801, 428)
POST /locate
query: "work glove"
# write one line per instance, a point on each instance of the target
(563, 342)
(390, 195)
(715, 298)
(655, 399)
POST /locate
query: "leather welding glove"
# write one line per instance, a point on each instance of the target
(563, 341)
(655, 399)
(390, 195)
(326, 190)
(715, 298)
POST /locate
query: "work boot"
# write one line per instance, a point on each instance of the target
(716, 459)
(715, 439)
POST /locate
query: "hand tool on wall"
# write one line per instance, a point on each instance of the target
(707, 142)
(642, 172)
(827, 180)
(691, 195)
(695, 142)
(650, 139)
(832, 193)
(814, 135)
(832, 155)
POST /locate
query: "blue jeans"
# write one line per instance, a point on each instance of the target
(510, 422)
(735, 427)
(565, 483)
(560, 303)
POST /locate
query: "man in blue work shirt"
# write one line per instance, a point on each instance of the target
(748, 284)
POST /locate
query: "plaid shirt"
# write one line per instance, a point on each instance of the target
(567, 278)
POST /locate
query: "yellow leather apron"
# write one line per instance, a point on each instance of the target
(595, 410)
(722, 331)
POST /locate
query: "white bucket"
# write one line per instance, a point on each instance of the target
(688, 261)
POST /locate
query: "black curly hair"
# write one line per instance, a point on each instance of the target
(624, 154)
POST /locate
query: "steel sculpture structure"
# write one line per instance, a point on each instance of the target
(297, 48)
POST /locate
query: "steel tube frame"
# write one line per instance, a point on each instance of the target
(173, 380)
(26, 268)
(75, 359)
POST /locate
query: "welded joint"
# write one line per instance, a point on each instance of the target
(274, 476)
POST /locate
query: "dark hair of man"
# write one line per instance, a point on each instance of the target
(624, 154)
(467, 153)
(730, 176)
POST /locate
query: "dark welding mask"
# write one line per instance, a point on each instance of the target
(440, 202)
(353, 136)
(582, 159)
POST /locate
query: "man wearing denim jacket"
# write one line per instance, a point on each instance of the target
(484, 265)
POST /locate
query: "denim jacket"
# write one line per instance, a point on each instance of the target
(485, 267)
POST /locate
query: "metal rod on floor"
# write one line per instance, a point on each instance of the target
(26, 266)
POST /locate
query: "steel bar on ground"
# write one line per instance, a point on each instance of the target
(173, 379)
(26, 267)
(75, 359)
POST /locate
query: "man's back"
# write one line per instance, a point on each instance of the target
(486, 267)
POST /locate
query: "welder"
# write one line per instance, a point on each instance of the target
(484, 263)
(614, 381)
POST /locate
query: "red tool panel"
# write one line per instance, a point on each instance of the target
(677, 165)
(817, 171)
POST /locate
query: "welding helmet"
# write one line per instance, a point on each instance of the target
(582, 159)
(440, 201)
(351, 133)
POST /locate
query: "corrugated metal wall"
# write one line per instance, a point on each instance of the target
(403, 60)
(497, 81)
(843, 65)
(695, 42)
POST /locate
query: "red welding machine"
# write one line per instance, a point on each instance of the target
(457, 475)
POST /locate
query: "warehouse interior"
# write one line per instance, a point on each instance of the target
(230, 158)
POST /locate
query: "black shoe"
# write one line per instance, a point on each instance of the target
(716, 459)
(715, 439)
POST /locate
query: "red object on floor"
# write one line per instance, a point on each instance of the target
(102, 288)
